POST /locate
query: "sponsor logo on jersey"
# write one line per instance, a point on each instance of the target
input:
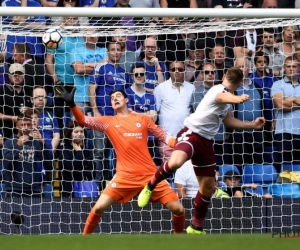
(136, 135)
(151, 81)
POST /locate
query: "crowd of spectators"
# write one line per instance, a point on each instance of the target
(165, 77)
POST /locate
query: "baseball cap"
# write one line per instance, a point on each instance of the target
(231, 173)
(16, 67)
(197, 44)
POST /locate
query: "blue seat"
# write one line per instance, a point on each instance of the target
(284, 190)
(222, 185)
(261, 190)
(292, 167)
(260, 174)
(48, 191)
(225, 168)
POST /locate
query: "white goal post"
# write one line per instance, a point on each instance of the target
(64, 215)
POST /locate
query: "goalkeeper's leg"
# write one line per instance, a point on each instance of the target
(178, 216)
(94, 217)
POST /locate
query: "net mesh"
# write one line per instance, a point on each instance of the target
(107, 26)
(50, 212)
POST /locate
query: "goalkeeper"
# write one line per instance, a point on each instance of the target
(128, 132)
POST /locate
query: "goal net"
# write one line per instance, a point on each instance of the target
(38, 177)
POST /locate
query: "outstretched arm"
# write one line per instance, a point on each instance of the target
(230, 98)
(233, 123)
(96, 123)
(160, 134)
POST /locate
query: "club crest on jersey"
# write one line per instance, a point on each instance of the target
(148, 101)
(47, 119)
(138, 125)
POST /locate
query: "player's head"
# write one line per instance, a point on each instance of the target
(118, 99)
(24, 124)
(232, 178)
(234, 76)
(138, 73)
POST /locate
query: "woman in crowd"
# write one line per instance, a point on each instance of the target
(75, 162)
(289, 34)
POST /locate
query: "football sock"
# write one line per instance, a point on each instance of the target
(201, 204)
(179, 223)
(161, 174)
(91, 222)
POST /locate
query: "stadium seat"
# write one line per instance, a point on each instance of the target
(260, 174)
(292, 167)
(222, 185)
(261, 190)
(48, 191)
(285, 190)
(225, 168)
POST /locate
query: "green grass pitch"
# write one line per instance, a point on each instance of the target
(148, 242)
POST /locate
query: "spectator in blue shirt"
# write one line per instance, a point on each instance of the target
(286, 98)
(58, 63)
(48, 124)
(142, 101)
(84, 60)
(248, 144)
(104, 79)
(21, 156)
(156, 71)
(264, 82)
(97, 3)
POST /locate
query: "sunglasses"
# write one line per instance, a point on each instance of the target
(177, 69)
(139, 74)
(206, 72)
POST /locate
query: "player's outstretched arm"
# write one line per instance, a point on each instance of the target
(230, 98)
(85, 121)
(160, 134)
(233, 123)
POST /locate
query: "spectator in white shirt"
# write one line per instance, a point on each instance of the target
(173, 103)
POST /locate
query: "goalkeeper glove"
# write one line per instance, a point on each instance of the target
(68, 97)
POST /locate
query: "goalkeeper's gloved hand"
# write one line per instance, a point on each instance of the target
(68, 97)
